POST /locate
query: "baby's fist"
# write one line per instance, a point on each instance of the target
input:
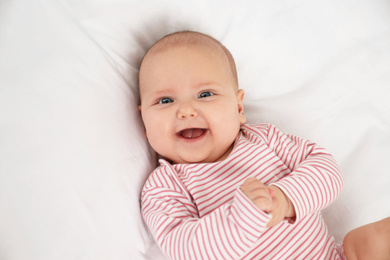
(258, 193)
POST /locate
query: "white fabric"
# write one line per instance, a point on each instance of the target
(73, 156)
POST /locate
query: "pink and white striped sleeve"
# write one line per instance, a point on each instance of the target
(315, 181)
(225, 233)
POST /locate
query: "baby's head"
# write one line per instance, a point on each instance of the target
(191, 106)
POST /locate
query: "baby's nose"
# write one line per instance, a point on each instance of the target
(186, 111)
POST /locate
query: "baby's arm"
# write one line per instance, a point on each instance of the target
(269, 199)
(315, 180)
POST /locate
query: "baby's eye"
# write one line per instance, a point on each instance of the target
(165, 100)
(205, 94)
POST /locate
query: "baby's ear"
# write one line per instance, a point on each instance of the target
(240, 104)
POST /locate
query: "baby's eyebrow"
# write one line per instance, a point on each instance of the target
(208, 83)
(163, 92)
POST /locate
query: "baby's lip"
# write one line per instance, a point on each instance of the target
(192, 133)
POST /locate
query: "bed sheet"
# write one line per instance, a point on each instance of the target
(73, 155)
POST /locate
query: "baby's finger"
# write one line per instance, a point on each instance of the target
(258, 193)
(254, 188)
(250, 180)
(271, 192)
(252, 183)
(263, 203)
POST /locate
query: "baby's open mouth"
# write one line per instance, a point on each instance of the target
(192, 133)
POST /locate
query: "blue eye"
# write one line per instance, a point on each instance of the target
(165, 100)
(205, 94)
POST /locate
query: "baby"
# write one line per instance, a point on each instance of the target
(225, 189)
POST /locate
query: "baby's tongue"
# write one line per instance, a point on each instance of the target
(192, 133)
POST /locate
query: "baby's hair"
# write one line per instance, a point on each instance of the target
(195, 38)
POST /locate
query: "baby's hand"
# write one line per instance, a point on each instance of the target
(258, 193)
(282, 208)
(269, 199)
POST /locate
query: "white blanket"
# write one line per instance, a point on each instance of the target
(73, 155)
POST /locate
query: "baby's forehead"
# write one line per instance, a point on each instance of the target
(162, 46)
(194, 39)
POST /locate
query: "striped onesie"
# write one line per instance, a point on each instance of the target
(197, 211)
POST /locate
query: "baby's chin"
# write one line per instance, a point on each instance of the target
(188, 160)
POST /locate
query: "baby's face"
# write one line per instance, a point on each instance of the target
(190, 105)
